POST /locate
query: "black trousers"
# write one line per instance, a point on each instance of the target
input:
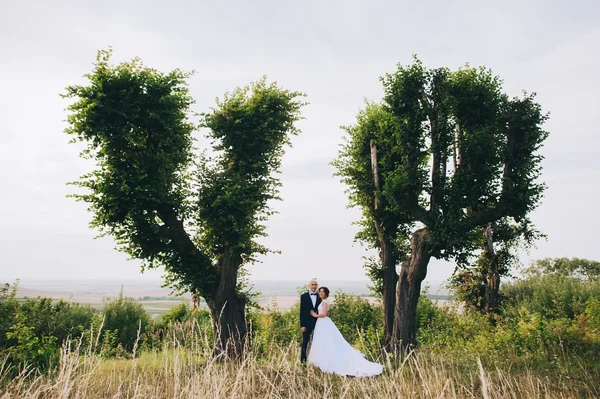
(305, 340)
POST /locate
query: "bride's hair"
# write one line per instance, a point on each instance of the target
(326, 290)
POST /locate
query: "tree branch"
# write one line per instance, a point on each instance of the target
(185, 248)
(375, 169)
(419, 213)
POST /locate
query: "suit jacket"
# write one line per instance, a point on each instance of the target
(306, 320)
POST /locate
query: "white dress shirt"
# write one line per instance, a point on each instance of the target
(313, 298)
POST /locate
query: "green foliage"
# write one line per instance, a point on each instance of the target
(31, 332)
(29, 350)
(544, 320)
(177, 314)
(462, 115)
(249, 129)
(573, 267)
(279, 327)
(183, 313)
(468, 286)
(134, 121)
(40, 318)
(453, 154)
(374, 126)
(59, 319)
(198, 219)
(374, 272)
(124, 321)
(500, 252)
(201, 218)
(550, 296)
(9, 307)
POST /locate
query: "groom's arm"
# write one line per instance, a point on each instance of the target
(302, 316)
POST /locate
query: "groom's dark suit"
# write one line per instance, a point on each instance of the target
(306, 320)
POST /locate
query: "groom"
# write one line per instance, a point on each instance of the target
(308, 301)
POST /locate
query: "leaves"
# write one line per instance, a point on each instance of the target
(149, 192)
(453, 154)
(249, 130)
(134, 121)
(568, 267)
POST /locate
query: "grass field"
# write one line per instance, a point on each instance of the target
(178, 372)
(461, 355)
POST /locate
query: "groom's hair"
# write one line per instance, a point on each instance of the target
(326, 290)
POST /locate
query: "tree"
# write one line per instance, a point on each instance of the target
(364, 164)
(451, 154)
(478, 284)
(568, 267)
(198, 218)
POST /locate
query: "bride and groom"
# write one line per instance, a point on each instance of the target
(329, 350)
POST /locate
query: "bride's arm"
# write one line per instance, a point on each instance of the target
(324, 313)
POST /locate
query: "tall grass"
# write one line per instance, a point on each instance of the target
(183, 367)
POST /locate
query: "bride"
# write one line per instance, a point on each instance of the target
(330, 351)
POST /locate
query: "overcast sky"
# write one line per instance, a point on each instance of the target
(335, 51)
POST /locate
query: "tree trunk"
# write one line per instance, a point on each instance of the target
(492, 286)
(386, 256)
(228, 310)
(390, 280)
(412, 274)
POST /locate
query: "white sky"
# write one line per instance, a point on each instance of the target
(334, 51)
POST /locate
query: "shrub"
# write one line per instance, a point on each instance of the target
(551, 296)
(125, 318)
(179, 313)
(27, 349)
(278, 327)
(9, 307)
(59, 319)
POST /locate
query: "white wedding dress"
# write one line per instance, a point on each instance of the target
(333, 354)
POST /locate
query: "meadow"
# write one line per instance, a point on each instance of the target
(545, 344)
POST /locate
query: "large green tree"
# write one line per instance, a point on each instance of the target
(198, 217)
(444, 154)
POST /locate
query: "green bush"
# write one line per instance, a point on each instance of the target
(544, 318)
(60, 319)
(32, 332)
(29, 350)
(9, 307)
(179, 313)
(278, 327)
(126, 319)
(551, 296)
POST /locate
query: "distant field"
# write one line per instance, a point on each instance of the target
(157, 300)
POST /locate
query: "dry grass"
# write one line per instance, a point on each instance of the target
(176, 373)
(183, 368)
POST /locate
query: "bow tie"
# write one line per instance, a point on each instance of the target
(313, 293)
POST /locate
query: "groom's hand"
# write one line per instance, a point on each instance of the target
(303, 329)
